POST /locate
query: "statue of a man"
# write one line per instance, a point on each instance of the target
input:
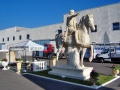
(71, 25)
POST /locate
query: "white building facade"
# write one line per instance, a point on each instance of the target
(106, 19)
(107, 23)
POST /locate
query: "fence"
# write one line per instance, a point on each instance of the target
(39, 65)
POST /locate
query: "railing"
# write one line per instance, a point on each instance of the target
(39, 65)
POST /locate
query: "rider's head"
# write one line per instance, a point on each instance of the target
(71, 12)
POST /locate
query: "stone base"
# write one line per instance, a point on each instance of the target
(4, 68)
(18, 72)
(71, 72)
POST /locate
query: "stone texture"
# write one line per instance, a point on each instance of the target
(71, 72)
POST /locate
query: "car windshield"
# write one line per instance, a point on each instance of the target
(112, 50)
(105, 51)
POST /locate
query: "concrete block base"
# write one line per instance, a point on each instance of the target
(71, 72)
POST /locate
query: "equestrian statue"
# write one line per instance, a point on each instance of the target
(76, 38)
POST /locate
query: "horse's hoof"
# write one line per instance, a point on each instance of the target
(82, 66)
(90, 59)
(78, 67)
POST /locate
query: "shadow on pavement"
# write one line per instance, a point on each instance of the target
(55, 85)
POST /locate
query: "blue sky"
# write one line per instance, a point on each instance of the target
(37, 13)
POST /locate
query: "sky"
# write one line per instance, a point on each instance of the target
(37, 13)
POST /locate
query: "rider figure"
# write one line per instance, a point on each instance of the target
(71, 25)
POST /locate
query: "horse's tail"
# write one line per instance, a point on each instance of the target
(58, 39)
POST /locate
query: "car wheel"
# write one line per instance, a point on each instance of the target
(101, 60)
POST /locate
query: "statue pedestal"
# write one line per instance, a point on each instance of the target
(71, 72)
(73, 57)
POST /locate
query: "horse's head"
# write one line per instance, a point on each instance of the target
(88, 21)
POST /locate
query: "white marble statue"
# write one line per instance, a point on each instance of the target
(71, 25)
(76, 37)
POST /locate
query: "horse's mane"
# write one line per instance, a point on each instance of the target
(83, 18)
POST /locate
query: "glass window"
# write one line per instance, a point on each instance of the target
(7, 38)
(28, 36)
(112, 50)
(20, 37)
(3, 39)
(13, 37)
(116, 26)
(95, 29)
(105, 51)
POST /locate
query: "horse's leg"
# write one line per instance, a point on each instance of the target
(82, 56)
(91, 50)
(91, 53)
(65, 52)
(58, 52)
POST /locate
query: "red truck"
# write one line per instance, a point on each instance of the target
(49, 51)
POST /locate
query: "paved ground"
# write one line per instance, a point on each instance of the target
(55, 85)
(9, 80)
(104, 68)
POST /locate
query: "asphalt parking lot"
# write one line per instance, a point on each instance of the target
(27, 82)
(104, 68)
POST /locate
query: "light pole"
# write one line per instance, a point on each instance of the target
(49, 56)
(24, 63)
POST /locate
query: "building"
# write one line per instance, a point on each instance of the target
(40, 35)
(107, 23)
(106, 19)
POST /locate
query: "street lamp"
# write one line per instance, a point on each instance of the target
(9, 56)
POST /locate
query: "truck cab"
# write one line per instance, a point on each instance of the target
(108, 54)
(49, 51)
(104, 56)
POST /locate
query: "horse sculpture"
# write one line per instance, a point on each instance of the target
(85, 23)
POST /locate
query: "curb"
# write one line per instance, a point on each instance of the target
(92, 87)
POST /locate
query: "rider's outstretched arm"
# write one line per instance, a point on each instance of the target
(74, 15)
